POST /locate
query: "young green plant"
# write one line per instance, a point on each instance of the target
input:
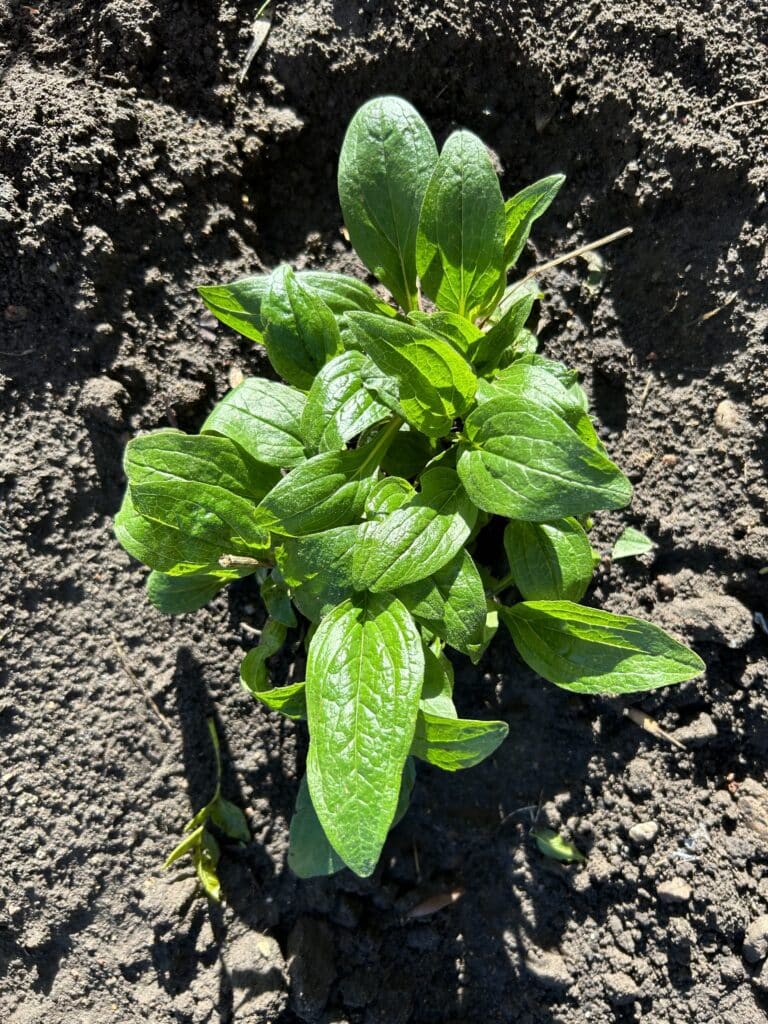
(360, 492)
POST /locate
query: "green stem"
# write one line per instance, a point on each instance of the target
(217, 754)
(502, 585)
(381, 444)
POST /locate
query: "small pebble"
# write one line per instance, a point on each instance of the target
(727, 418)
(621, 988)
(755, 946)
(644, 832)
(674, 891)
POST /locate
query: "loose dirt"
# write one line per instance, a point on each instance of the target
(133, 165)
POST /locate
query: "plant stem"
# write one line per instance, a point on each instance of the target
(502, 585)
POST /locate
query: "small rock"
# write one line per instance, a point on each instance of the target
(727, 417)
(549, 968)
(755, 946)
(105, 400)
(753, 807)
(644, 832)
(621, 988)
(674, 891)
(311, 965)
(640, 779)
(697, 732)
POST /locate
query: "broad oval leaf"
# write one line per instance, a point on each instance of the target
(592, 651)
(176, 595)
(523, 209)
(452, 604)
(309, 853)
(630, 543)
(451, 327)
(539, 385)
(204, 486)
(238, 304)
(417, 539)
(549, 561)
(327, 490)
(435, 384)
(339, 407)
(460, 244)
(300, 332)
(365, 669)
(318, 569)
(264, 418)
(342, 293)
(525, 462)
(161, 547)
(385, 165)
(387, 495)
(454, 743)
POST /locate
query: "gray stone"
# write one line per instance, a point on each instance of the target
(755, 946)
(698, 732)
(644, 833)
(674, 891)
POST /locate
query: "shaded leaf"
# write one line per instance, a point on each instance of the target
(549, 561)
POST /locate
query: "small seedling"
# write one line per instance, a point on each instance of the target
(364, 494)
(200, 842)
(554, 846)
(630, 543)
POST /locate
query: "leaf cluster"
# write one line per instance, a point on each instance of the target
(200, 841)
(358, 492)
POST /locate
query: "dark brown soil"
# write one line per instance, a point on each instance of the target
(133, 164)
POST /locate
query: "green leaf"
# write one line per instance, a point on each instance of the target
(328, 490)
(206, 859)
(338, 406)
(289, 700)
(342, 293)
(204, 486)
(365, 670)
(301, 334)
(434, 383)
(537, 385)
(408, 454)
(525, 462)
(414, 541)
(592, 651)
(522, 210)
(238, 304)
(264, 418)
(162, 547)
(387, 495)
(437, 689)
(549, 561)
(176, 595)
(187, 844)
(451, 603)
(630, 543)
(230, 819)
(451, 327)
(277, 601)
(460, 244)
(385, 165)
(318, 568)
(555, 847)
(495, 345)
(309, 853)
(454, 743)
